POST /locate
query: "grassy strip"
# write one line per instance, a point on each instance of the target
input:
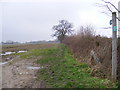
(63, 71)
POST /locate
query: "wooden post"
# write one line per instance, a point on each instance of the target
(118, 46)
(114, 47)
(94, 57)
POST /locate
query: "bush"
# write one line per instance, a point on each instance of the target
(84, 41)
(81, 43)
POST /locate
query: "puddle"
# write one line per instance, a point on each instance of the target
(21, 51)
(9, 53)
(9, 58)
(31, 67)
(2, 63)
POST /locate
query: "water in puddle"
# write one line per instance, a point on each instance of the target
(2, 63)
(9, 53)
(21, 51)
(31, 67)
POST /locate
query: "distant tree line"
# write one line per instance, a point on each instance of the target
(42, 42)
(31, 42)
(10, 42)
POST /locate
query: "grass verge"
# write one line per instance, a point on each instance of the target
(63, 71)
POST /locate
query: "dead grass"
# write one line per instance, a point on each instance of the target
(82, 43)
(26, 47)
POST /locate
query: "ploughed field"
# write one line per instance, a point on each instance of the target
(21, 47)
(25, 47)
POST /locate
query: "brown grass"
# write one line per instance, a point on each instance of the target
(25, 47)
(82, 43)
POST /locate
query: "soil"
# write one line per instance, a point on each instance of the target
(15, 74)
(25, 47)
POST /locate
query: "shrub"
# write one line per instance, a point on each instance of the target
(84, 41)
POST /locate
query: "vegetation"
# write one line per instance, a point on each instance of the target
(81, 45)
(62, 29)
(26, 47)
(62, 70)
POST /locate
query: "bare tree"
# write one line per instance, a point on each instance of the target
(110, 7)
(62, 29)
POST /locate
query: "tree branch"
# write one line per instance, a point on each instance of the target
(109, 8)
(118, 18)
(112, 5)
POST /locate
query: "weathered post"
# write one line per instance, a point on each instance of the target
(118, 46)
(114, 47)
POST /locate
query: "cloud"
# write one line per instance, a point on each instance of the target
(33, 21)
(31, 1)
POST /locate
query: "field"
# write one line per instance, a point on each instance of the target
(12, 48)
(16, 71)
(57, 69)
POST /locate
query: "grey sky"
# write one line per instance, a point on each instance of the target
(29, 21)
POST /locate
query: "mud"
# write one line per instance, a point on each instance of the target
(15, 74)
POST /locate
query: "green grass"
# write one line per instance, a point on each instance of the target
(63, 71)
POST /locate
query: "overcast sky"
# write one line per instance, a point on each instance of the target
(32, 20)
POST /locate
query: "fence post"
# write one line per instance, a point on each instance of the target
(118, 45)
(114, 47)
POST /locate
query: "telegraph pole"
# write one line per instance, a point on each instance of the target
(114, 47)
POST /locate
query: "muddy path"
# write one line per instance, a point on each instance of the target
(21, 73)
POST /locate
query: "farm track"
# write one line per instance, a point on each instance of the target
(15, 74)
